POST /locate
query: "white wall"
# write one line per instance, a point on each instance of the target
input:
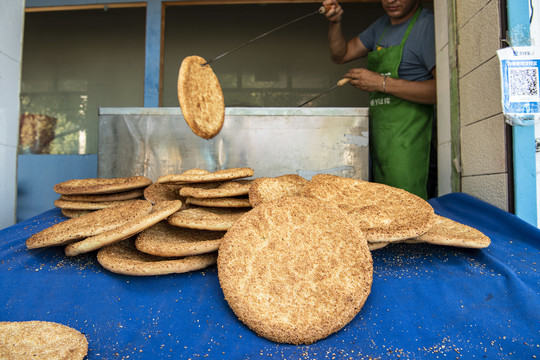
(11, 18)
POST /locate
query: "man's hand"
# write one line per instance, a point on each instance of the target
(365, 80)
(333, 11)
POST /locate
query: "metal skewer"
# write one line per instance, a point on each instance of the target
(321, 10)
(339, 83)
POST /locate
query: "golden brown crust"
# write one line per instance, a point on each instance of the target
(164, 239)
(383, 212)
(132, 227)
(267, 188)
(119, 196)
(220, 202)
(452, 233)
(218, 219)
(219, 175)
(85, 205)
(101, 186)
(162, 192)
(306, 270)
(200, 97)
(216, 190)
(72, 213)
(22, 340)
(87, 225)
(124, 258)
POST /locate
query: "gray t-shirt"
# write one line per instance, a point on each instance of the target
(419, 52)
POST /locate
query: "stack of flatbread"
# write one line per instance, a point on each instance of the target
(81, 196)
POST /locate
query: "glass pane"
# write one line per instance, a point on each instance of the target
(282, 69)
(73, 63)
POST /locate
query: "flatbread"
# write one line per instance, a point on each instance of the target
(217, 219)
(295, 270)
(159, 212)
(219, 189)
(87, 225)
(220, 202)
(219, 175)
(200, 97)
(72, 213)
(86, 205)
(376, 245)
(43, 340)
(452, 233)
(119, 196)
(124, 258)
(268, 188)
(162, 192)
(164, 239)
(101, 186)
(384, 213)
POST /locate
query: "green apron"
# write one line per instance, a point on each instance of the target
(399, 130)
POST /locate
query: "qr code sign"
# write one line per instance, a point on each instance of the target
(523, 84)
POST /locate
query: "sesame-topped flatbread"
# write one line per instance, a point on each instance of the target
(384, 213)
(101, 186)
(159, 212)
(87, 225)
(217, 219)
(86, 205)
(200, 97)
(239, 202)
(162, 192)
(164, 239)
(219, 189)
(44, 340)
(73, 213)
(119, 196)
(124, 258)
(219, 175)
(268, 188)
(452, 233)
(295, 270)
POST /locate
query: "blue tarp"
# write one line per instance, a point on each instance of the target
(427, 302)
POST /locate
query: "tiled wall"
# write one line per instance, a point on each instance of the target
(11, 18)
(484, 172)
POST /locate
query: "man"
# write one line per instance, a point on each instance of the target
(400, 77)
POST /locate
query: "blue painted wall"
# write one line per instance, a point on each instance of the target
(37, 174)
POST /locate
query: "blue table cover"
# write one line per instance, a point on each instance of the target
(427, 301)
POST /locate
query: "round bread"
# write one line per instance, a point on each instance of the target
(86, 205)
(219, 175)
(162, 192)
(159, 212)
(124, 258)
(452, 233)
(306, 270)
(220, 219)
(87, 225)
(101, 186)
(201, 98)
(220, 202)
(219, 189)
(164, 239)
(119, 196)
(44, 340)
(73, 213)
(267, 188)
(384, 213)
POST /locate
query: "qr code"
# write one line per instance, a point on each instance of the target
(523, 84)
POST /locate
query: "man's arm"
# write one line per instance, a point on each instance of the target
(341, 50)
(422, 92)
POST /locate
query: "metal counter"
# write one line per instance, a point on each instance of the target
(273, 141)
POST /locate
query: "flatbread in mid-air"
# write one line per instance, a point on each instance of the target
(201, 98)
